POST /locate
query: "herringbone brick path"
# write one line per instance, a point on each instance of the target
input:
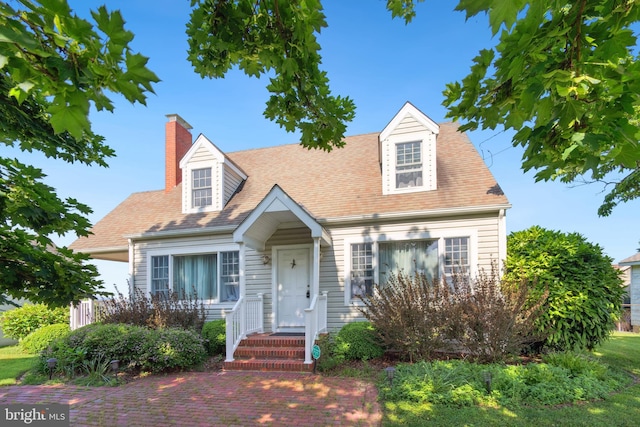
(214, 399)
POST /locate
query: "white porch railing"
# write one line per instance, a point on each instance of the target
(246, 317)
(82, 314)
(315, 322)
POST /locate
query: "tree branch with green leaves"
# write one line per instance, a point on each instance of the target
(53, 67)
(563, 76)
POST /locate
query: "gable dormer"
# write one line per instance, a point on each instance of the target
(209, 178)
(408, 152)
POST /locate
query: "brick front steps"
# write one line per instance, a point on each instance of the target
(264, 352)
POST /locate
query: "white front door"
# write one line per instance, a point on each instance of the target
(293, 287)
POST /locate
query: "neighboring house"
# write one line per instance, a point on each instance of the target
(634, 289)
(290, 237)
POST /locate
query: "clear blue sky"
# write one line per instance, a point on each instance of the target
(379, 62)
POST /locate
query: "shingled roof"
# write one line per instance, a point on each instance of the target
(344, 183)
(632, 260)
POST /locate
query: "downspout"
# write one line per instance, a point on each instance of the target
(131, 277)
(502, 239)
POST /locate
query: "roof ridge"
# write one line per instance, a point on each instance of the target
(270, 147)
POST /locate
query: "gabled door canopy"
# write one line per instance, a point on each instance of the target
(276, 208)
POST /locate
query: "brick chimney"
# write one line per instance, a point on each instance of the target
(178, 140)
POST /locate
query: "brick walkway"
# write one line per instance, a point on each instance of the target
(214, 399)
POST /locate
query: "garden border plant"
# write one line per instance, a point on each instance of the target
(480, 318)
(154, 311)
(137, 348)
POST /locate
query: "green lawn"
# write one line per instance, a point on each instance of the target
(13, 363)
(620, 409)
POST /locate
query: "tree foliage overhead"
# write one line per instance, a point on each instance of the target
(54, 66)
(273, 35)
(563, 75)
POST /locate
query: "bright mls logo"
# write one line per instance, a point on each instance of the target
(51, 415)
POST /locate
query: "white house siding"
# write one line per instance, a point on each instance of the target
(231, 182)
(408, 125)
(202, 154)
(485, 248)
(634, 291)
(483, 229)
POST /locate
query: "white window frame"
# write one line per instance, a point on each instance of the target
(187, 189)
(417, 166)
(373, 265)
(218, 249)
(440, 235)
(194, 189)
(427, 140)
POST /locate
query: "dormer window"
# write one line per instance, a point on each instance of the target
(209, 178)
(408, 153)
(201, 188)
(409, 164)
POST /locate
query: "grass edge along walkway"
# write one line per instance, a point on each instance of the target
(14, 362)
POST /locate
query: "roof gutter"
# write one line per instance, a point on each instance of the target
(415, 214)
(188, 232)
(107, 250)
(155, 235)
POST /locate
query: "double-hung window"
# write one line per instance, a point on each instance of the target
(376, 262)
(201, 190)
(409, 164)
(456, 256)
(361, 269)
(160, 275)
(230, 276)
(209, 276)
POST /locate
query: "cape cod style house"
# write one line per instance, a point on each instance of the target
(283, 239)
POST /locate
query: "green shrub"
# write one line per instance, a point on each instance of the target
(358, 341)
(136, 347)
(576, 364)
(215, 336)
(39, 340)
(170, 349)
(328, 358)
(20, 322)
(584, 289)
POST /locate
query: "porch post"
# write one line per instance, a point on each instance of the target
(316, 266)
(241, 261)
